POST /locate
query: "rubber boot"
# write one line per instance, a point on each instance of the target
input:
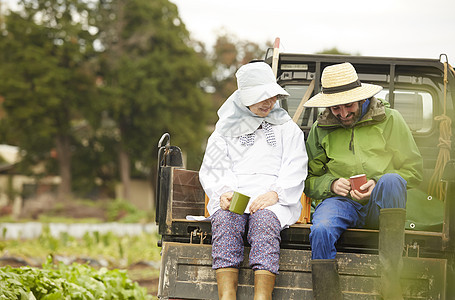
(227, 280)
(391, 244)
(326, 281)
(264, 282)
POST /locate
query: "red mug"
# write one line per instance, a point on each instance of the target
(357, 181)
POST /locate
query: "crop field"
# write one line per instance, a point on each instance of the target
(117, 258)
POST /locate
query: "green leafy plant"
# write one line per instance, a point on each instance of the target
(62, 281)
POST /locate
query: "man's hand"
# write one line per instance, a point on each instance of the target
(264, 200)
(225, 200)
(367, 188)
(341, 187)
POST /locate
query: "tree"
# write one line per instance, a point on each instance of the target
(151, 80)
(45, 54)
(335, 51)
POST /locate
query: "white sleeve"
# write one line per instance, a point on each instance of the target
(216, 174)
(294, 162)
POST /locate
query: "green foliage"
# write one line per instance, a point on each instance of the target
(67, 282)
(144, 77)
(151, 77)
(118, 251)
(44, 70)
(47, 82)
(334, 51)
(125, 211)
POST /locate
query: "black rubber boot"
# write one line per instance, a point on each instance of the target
(326, 282)
(391, 244)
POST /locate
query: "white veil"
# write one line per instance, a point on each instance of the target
(235, 119)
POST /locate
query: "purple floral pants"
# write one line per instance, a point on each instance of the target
(264, 237)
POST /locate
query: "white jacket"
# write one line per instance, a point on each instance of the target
(257, 169)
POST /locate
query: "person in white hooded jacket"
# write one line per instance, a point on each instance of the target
(257, 150)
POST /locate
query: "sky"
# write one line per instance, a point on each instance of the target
(396, 28)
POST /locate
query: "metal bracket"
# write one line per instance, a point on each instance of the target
(198, 233)
(415, 247)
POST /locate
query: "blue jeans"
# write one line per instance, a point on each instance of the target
(334, 215)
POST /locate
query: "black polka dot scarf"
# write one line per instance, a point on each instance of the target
(248, 139)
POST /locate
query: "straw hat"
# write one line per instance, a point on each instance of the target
(256, 82)
(341, 85)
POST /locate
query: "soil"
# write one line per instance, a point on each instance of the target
(146, 275)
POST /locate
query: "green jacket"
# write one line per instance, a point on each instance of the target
(379, 143)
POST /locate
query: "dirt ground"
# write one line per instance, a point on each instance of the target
(146, 276)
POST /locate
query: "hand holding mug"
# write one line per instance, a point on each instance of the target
(363, 192)
(225, 200)
(341, 187)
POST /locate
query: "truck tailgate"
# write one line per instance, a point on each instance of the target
(186, 273)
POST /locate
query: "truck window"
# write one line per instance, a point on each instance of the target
(296, 92)
(416, 107)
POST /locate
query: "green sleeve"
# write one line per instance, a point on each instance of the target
(407, 160)
(319, 181)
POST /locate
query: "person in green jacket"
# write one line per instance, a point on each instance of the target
(356, 134)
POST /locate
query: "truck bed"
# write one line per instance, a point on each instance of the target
(186, 273)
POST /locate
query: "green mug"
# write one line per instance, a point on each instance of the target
(239, 203)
